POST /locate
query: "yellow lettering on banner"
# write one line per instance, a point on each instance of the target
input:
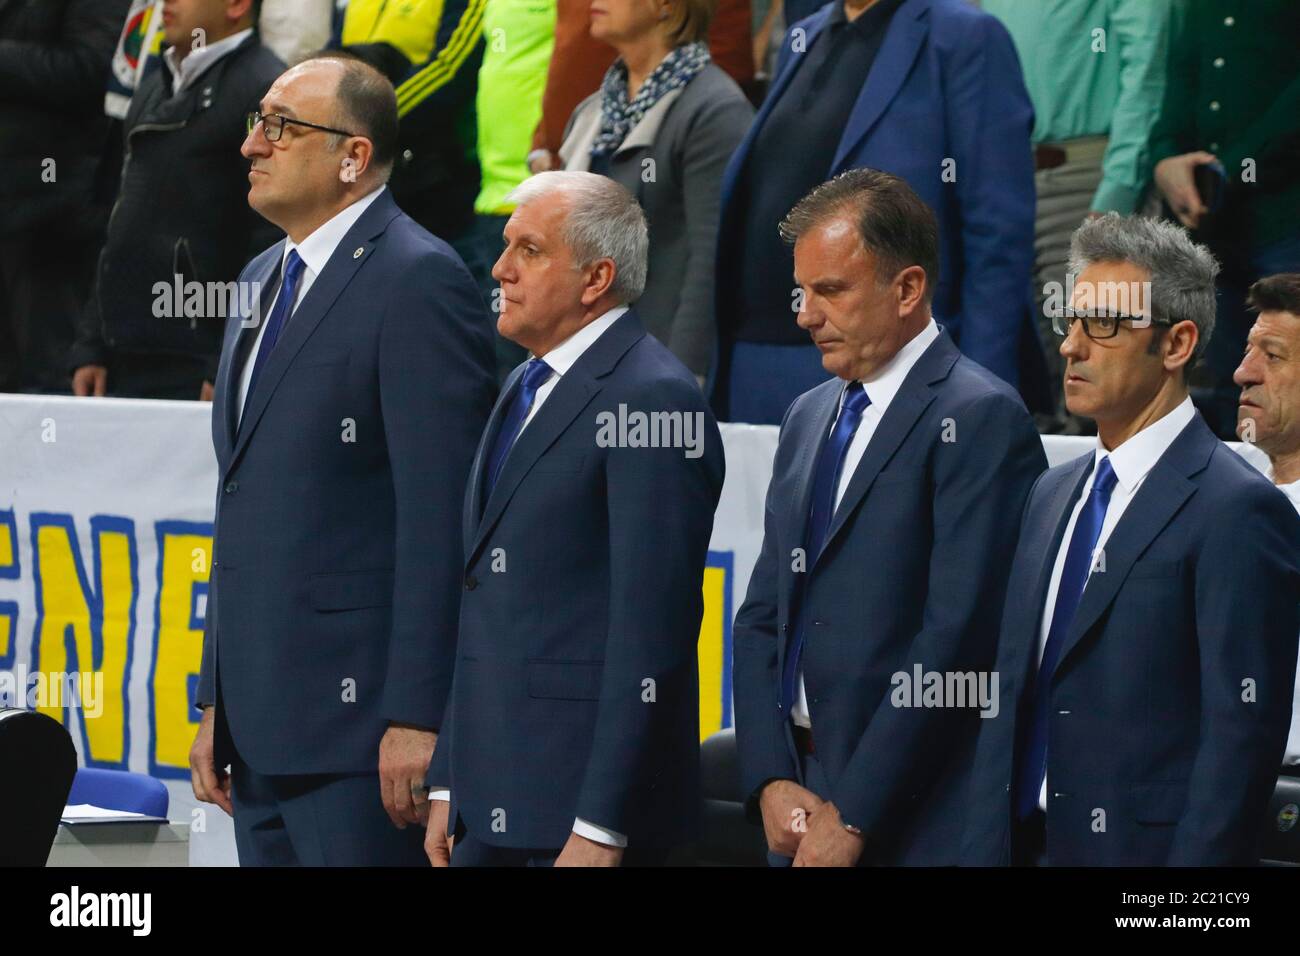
(179, 651)
(85, 629)
(8, 569)
(714, 690)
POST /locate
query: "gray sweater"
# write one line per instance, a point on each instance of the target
(673, 161)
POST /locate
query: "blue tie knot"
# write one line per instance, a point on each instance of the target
(1104, 481)
(293, 266)
(535, 375)
(855, 398)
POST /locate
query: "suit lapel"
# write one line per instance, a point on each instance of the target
(571, 395)
(474, 494)
(348, 258)
(241, 338)
(911, 401)
(1161, 496)
(810, 452)
(904, 38)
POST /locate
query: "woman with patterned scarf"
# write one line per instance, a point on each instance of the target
(664, 124)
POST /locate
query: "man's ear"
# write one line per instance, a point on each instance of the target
(1180, 344)
(236, 10)
(913, 283)
(600, 277)
(358, 152)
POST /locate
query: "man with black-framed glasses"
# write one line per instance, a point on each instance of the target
(1147, 655)
(348, 407)
(180, 230)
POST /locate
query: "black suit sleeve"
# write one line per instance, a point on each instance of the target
(760, 734)
(660, 506)
(1247, 618)
(981, 477)
(436, 389)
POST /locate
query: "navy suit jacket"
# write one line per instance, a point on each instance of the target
(946, 85)
(913, 572)
(335, 582)
(577, 682)
(1154, 756)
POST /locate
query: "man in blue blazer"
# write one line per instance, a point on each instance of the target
(931, 91)
(863, 648)
(572, 735)
(1148, 646)
(346, 415)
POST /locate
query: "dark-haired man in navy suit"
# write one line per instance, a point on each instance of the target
(345, 418)
(1148, 647)
(572, 736)
(892, 504)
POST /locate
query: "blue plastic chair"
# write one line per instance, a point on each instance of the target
(120, 790)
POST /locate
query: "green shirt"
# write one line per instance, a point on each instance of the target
(518, 37)
(1234, 90)
(1094, 68)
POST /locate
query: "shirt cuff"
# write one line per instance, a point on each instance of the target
(440, 795)
(596, 833)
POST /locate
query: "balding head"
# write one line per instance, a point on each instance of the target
(337, 144)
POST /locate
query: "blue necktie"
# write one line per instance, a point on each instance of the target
(821, 508)
(535, 375)
(293, 267)
(1074, 575)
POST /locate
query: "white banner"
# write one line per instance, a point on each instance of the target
(105, 538)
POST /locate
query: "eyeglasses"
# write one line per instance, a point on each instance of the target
(273, 125)
(1100, 325)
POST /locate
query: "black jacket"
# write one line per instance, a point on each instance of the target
(182, 210)
(54, 63)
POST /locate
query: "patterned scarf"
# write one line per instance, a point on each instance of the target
(618, 117)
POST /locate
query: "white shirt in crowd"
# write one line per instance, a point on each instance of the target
(1132, 462)
(881, 389)
(315, 252)
(199, 59)
(561, 359)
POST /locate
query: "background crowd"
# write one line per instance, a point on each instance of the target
(1014, 120)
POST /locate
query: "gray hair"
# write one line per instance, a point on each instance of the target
(1182, 273)
(603, 220)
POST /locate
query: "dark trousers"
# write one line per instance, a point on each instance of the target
(470, 851)
(317, 820)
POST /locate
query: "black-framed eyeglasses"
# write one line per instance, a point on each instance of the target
(273, 125)
(1100, 325)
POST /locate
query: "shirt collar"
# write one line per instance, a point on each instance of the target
(884, 385)
(316, 249)
(189, 69)
(1136, 457)
(563, 356)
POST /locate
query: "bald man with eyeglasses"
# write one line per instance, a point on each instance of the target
(347, 411)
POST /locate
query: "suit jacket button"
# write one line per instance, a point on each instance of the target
(471, 582)
(232, 486)
(785, 628)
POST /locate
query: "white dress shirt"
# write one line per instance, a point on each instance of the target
(561, 359)
(881, 389)
(315, 252)
(1292, 757)
(199, 59)
(1132, 462)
